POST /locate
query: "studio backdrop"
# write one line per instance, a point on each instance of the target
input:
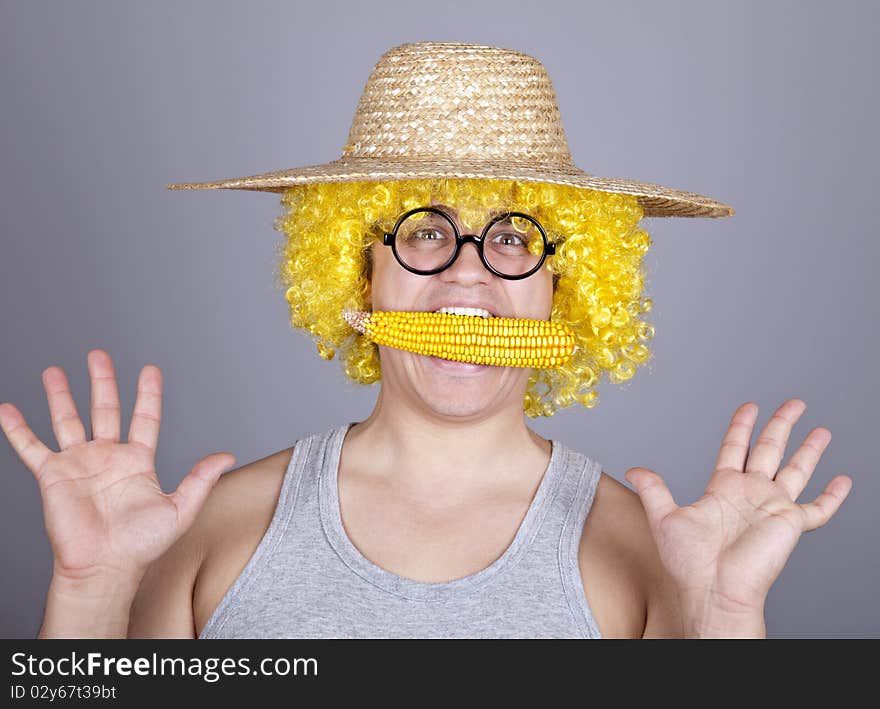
(767, 106)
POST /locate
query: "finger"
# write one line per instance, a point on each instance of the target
(193, 490)
(656, 498)
(105, 396)
(820, 510)
(795, 476)
(735, 445)
(145, 420)
(770, 446)
(30, 449)
(69, 429)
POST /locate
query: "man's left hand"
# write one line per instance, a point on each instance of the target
(725, 550)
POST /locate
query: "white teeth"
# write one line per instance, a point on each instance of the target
(466, 311)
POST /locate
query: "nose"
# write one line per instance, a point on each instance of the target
(468, 266)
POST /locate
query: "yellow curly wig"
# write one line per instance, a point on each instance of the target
(324, 266)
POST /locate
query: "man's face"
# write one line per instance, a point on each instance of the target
(453, 389)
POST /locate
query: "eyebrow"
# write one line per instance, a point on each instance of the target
(446, 208)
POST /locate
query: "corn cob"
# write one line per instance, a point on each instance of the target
(503, 342)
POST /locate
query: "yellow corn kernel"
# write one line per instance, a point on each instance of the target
(506, 342)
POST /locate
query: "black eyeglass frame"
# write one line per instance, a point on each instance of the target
(390, 239)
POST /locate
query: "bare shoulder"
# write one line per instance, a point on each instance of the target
(176, 595)
(234, 520)
(620, 568)
(241, 498)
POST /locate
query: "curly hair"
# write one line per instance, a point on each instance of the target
(324, 266)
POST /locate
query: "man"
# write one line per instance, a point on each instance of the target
(441, 515)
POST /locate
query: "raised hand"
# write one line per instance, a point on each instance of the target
(725, 550)
(104, 510)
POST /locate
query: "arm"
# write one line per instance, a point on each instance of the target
(96, 607)
(162, 606)
(664, 618)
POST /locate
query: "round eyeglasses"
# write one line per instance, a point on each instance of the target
(426, 241)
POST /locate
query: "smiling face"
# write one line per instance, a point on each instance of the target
(451, 389)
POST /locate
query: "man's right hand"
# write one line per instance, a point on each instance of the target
(104, 510)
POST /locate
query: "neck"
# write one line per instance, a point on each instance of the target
(443, 456)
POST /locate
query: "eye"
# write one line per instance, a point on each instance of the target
(426, 234)
(513, 234)
(425, 229)
(507, 236)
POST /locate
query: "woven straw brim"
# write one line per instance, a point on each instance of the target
(656, 200)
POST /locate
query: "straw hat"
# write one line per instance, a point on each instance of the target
(448, 109)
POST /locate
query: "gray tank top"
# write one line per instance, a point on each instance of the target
(306, 579)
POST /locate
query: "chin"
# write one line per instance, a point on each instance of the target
(462, 410)
(460, 397)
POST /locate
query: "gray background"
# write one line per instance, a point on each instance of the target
(769, 106)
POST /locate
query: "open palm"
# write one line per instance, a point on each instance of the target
(732, 543)
(103, 506)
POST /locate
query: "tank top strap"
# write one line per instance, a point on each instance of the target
(574, 502)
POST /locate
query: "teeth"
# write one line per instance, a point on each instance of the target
(480, 312)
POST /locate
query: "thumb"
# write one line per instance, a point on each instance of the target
(193, 490)
(656, 498)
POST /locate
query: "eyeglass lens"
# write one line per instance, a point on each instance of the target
(426, 241)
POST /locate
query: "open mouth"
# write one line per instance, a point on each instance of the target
(472, 312)
(469, 338)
